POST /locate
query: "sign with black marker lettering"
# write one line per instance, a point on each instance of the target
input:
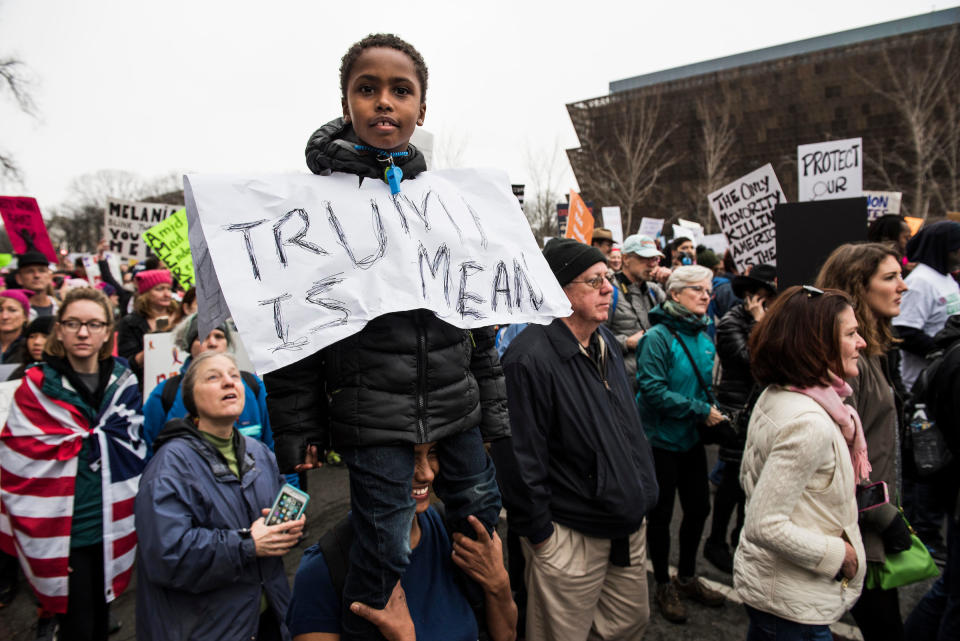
(303, 261)
(830, 170)
(126, 222)
(744, 210)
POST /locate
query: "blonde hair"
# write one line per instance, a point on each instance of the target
(55, 348)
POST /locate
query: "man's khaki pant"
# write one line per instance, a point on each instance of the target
(574, 593)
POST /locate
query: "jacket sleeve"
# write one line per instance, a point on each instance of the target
(175, 553)
(297, 404)
(732, 339)
(523, 461)
(799, 449)
(266, 436)
(154, 418)
(123, 295)
(654, 362)
(486, 368)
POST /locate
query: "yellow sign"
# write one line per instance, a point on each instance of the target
(168, 240)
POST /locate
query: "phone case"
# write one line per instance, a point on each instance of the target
(287, 490)
(868, 488)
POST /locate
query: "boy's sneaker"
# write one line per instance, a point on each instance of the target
(719, 555)
(696, 590)
(48, 629)
(668, 600)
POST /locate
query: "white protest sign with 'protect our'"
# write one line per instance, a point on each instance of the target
(304, 261)
(882, 203)
(830, 170)
(613, 222)
(650, 227)
(744, 210)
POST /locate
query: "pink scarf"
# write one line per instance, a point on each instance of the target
(831, 399)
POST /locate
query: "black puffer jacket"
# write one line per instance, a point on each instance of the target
(407, 377)
(736, 382)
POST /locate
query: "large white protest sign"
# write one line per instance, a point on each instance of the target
(830, 170)
(650, 227)
(125, 222)
(715, 242)
(304, 261)
(161, 360)
(613, 222)
(882, 203)
(7, 390)
(744, 210)
(695, 228)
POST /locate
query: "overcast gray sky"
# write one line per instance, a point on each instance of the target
(238, 86)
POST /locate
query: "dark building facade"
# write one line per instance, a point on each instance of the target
(692, 129)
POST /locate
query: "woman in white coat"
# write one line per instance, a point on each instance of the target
(800, 563)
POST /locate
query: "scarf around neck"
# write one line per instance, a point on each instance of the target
(830, 398)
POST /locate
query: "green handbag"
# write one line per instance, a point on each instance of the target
(903, 568)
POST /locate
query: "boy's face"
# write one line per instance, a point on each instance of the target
(383, 98)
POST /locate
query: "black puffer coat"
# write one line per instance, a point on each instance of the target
(407, 377)
(736, 382)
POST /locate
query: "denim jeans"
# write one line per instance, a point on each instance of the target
(937, 616)
(769, 627)
(383, 510)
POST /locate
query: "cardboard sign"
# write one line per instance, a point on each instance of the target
(800, 253)
(169, 241)
(125, 223)
(24, 222)
(302, 261)
(613, 222)
(744, 210)
(579, 220)
(882, 203)
(651, 227)
(830, 170)
(716, 242)
(161, 360)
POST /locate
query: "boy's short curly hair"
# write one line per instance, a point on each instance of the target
(389, 41)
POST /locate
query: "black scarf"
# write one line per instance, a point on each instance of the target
(331, 148)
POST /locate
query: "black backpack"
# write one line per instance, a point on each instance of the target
(169, 393)
(335, 546)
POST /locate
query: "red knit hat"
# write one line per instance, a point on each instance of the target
(22, 296)
(147, 280)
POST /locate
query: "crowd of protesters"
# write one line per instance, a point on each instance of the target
(588, 431)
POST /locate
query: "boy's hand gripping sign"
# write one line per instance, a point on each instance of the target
(302, 261)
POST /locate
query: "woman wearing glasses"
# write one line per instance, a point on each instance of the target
(674, 369)
(71, 455)
(800, 562)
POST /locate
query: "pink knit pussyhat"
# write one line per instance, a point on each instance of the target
(148, 279)
(831, 399)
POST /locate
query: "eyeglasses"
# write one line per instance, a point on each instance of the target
(596, 282)
(73, 325)
(700, 289)
(812, 291)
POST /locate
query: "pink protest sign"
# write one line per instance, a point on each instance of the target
(21, 217)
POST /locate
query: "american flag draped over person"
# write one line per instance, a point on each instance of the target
(39, 447)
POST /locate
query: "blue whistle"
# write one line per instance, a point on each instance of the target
(393, 175)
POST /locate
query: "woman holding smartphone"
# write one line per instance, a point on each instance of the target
(208, 565)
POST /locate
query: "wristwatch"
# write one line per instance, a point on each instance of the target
(244, 533)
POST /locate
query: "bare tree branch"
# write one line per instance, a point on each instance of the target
(716, 138)
(542, 192)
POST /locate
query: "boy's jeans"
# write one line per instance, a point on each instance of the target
(383, 511)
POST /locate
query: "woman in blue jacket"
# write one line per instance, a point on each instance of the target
(672, 402)
(208, 565)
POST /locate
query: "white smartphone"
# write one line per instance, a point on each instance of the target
(288, 506)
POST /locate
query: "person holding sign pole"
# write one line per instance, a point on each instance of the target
(406, 378)
(151, 313)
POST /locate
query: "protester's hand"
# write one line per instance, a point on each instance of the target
(481, 559)
(102, 247)
(754, 305)
(660, 274)
(850, 563)
(311, 460)
(394, 620)
(633, 339)
(714, 417)
(275, 540)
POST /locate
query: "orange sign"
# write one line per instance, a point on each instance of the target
(914, 224)
(579, 220)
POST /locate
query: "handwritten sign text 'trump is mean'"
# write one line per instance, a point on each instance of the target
(304, 261)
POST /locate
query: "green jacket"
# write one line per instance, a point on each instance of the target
(670, 400)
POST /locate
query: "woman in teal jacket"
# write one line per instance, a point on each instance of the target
(672, 403)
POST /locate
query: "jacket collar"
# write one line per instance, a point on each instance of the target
(564, 342)
(185, 429)
(331, 148)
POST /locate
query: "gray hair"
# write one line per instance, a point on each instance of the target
(190, 378)
(688, 275)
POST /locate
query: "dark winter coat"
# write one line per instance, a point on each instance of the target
(406, 377)
(197, 577)
(736, 383)
(130, 332)
(578, 455)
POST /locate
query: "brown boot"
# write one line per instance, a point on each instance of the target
(671, 607)
(696, 590)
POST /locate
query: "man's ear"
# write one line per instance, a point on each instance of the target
(16, 277)
(423, 113)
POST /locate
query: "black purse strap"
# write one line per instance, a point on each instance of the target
(693, 364)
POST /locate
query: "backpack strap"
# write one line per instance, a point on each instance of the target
(169, 393)
(693, 364)
(616, 298)
(251, 380)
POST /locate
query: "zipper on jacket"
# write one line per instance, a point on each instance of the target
(421, 379)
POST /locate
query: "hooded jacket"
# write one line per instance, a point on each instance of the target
(198, 578)
(670, 399)
(406, 377)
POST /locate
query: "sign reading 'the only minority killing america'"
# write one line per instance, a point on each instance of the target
(830, 170)
(304, 261)
(744, 209)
